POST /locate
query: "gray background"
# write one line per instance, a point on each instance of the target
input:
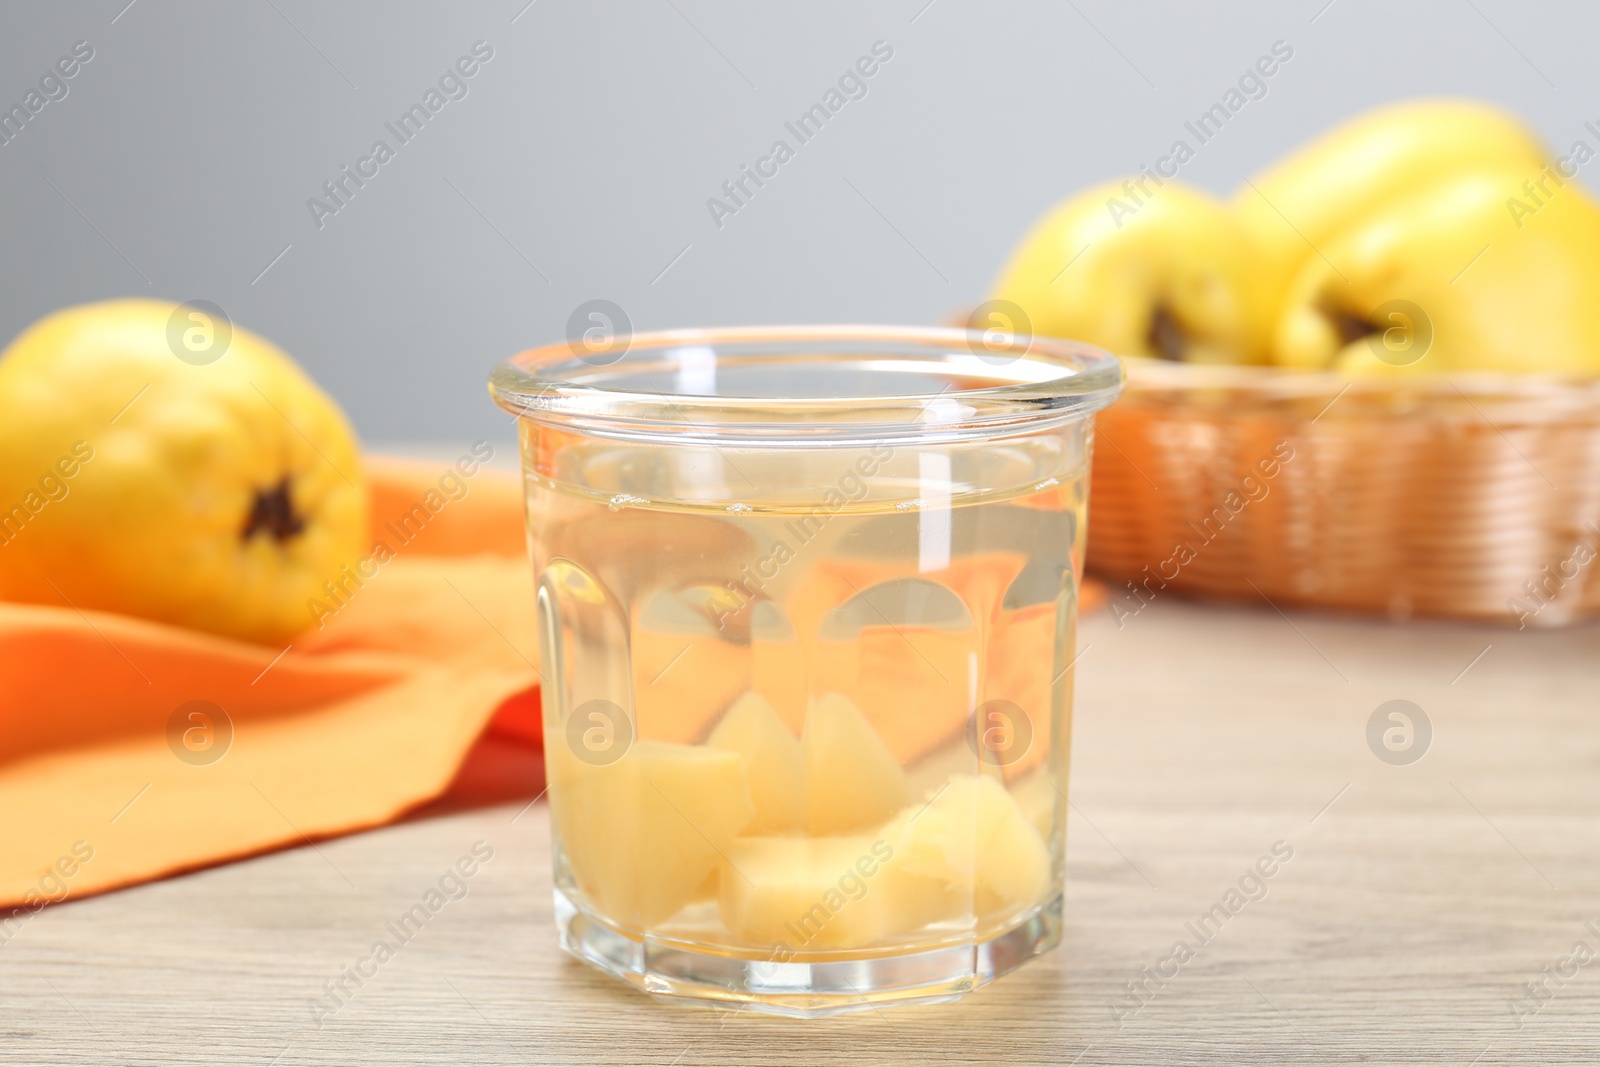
(184, 154)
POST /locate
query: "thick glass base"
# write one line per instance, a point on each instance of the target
(805, 990)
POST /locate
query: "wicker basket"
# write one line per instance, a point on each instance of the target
(1472, 498)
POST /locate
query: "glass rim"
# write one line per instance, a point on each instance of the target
(1026, 383)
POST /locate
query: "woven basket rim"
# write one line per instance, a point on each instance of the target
(1518, 397)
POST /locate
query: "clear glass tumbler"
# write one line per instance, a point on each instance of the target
(807, 601)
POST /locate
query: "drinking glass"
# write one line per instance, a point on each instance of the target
(807, 601)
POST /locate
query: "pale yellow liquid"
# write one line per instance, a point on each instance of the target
(919, 584)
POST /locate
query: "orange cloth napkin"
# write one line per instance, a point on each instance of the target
(353, 724)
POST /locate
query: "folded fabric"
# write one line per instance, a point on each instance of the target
(130, 749)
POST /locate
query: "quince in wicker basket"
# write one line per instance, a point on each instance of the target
(1370, 380)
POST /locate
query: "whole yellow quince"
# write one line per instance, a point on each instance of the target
(156, 461)
(1295, 207)
(1467, 274)
(1174, 279)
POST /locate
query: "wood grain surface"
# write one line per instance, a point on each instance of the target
(1419, 902)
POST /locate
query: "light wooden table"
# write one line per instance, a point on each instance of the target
(1418, 901)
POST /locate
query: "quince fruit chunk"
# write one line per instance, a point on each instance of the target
(975, 837)
(852, 779)
(1036, 795)
(808, 893)
(643, 834)
(773, 758)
